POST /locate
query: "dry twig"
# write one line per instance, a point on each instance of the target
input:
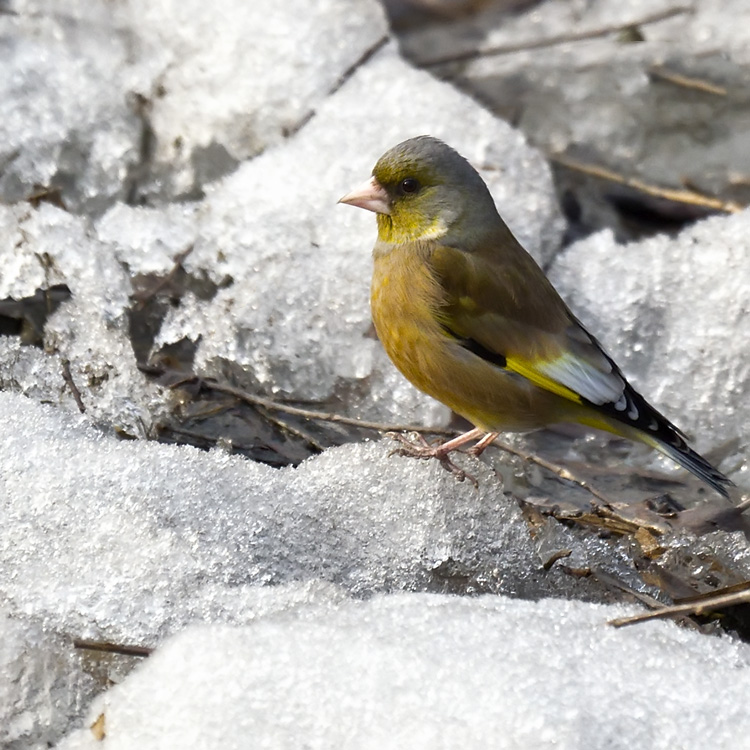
(614, 583)
(690, 197)
(284, 426)
(553, 41)
(146, 296)
(605, 514)
(267, 403)
(560, 471)
(68, 378)
(254, 400)
(705, 605)
(111, 648)
(688, 82)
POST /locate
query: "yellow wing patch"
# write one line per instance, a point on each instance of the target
(540, 379)
(575, 378)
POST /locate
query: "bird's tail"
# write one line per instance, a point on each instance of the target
(686, 457)
(640, 421)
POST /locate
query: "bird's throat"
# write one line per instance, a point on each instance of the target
(414, 227)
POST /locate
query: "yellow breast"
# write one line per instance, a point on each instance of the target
(405, 300)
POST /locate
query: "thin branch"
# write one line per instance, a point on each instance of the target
(369, 53)
(111, 648)
(647, 600)
(704, 606)
(230, 444)
(292, 430)
(733, 589)
(690, 197)
(68, 378)
(614, 583)
(554, 41)
(688, 82)
(559, 554)
(147, 295)
(321, 415)
(363, 59)
(560, 471)
(266, 403)
(607, 508)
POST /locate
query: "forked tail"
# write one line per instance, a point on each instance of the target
(686, 457)
(649, 426)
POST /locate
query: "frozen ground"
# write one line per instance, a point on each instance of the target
(294, 602)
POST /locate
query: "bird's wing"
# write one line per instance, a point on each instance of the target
(507, 312)
(507, 309)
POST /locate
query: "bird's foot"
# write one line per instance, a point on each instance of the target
(416, 446)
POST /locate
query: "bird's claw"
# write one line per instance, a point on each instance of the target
(413, 445)
(418, 447)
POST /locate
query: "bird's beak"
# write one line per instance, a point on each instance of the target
(371, 195)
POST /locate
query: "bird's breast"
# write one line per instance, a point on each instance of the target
(405, 298)
(407, 302)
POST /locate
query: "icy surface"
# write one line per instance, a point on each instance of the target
(423, 671)
(42, 684)
(145, 536)
(674, 313)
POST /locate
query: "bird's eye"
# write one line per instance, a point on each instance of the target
(409, 185)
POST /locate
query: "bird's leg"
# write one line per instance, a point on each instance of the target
(441, 452)
(455, 443)
(483, 444)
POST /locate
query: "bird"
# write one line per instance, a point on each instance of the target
(469, 317)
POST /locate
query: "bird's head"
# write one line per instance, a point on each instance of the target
(424, 190)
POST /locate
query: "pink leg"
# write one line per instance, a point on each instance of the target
(483, 444)
(455, 443)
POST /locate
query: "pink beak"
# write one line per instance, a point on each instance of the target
(371, 195)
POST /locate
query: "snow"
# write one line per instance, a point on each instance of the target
(420, 671)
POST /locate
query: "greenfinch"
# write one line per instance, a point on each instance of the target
(466, 314)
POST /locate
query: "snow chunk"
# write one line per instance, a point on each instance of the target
(146, 538)
(43, 247)
(242, 76)
(423, 671)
